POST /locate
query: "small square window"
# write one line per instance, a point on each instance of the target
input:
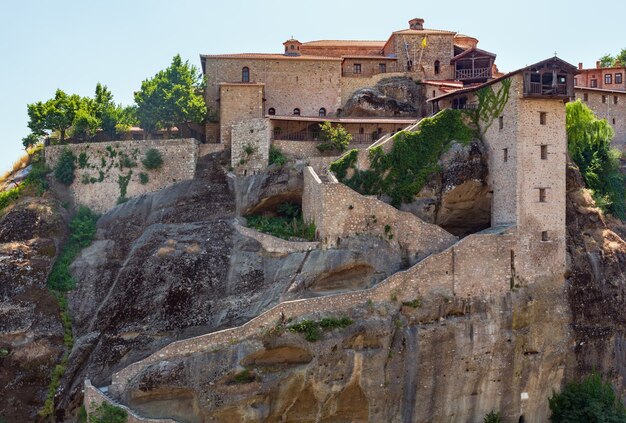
(585, 97)
(505, 154)
(542, 195)
(357, 68)
(501, 122)
(544, 236)
(615, 99)
(382, 67)
(603, 99)
(576, 81)
(544, 152)
(543, 118)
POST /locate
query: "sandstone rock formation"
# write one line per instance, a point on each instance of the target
(396, 96)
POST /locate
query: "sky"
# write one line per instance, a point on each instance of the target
(74, 44)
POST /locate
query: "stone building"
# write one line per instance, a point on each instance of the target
(315, 79)
(527, 145)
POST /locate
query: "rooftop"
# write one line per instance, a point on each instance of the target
(266, 56)
(345, 43)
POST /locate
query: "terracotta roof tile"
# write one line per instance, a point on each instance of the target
(266, 56)
(345, 43)
(424, 32)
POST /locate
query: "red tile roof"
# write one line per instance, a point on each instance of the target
(266, 56)
(345, 43)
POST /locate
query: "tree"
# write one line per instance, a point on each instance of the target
(335, 137)
(607, 61)
(173, 97)
(56, 114)
(29, 141)
(589, 146)
(85, 124)
(106, 413)
(588, 401)
(621, 57)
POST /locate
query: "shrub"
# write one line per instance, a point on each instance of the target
(122, 182)
(244, 376)
(249, 149)
(83, 160)
(335, 137)
(8, 196)
(153, 159)
(590, 400)
(289, 210)
(64, 169)
(126, 162)
(311, 328)
(282, 227)
(107, 413)
(492, 417)
(143, 178)
(277, 157)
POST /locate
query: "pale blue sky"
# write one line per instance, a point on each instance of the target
(72, 45)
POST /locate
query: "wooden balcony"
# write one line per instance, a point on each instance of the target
(537, 88)
(318, 136)
(473, 73)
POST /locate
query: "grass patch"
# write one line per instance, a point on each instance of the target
(287, 224)
(244, 376)
(312, 330)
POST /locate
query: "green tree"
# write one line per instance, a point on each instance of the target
(29, 141)
(588, 401)
(85, 123)
(606, 61)
(106, 413)
(173, 97)
(335, 137)
(589, 145)
(56, 114)
(621, 57)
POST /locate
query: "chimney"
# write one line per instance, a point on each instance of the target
(416, 23)
(580, 65)
(598, 66)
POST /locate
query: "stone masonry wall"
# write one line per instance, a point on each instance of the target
(439, 274)
(250, 149)
(340, 212)
(438, 47)
(97, 186)
(614, 113)
(94, 397)
(239, 102)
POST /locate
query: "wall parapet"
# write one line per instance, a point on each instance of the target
(438, 274)
(103, 168)
(272, 244)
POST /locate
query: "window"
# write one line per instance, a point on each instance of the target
(542, 195)
(271, 111)
(575, 81)
(594, 83)
(339, 111)
(544, 236)
(437, 67)
(603, 99)
(322, 112)
(409, 65)
(357, 68)
(292, 47)
(543, 118)
(505, 154)
(501, 122)
(544, 152)
(613, 121)
(382, 67)
(614, 99)
(296, 112)
(608, 78)
(618, 78)
(361, 130)
(585, 97)
(245, 75)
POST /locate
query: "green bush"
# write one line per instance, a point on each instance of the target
(277, 157)
(402, 172)
(83, 160)
(588, 401)
(126, 162)
(153, 159)
(143, 178)
(289, 210)
(64, 169)
(312, 329)
(9, 196)
(335, 137)
(492, 417)
(589, 146)
(122, 182)
(107, 413)
(282, 227)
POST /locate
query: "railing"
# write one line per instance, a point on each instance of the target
(319, 136)
(474, 73)
(468, 106)
(537, 88)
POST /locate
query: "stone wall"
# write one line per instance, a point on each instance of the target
(609, 105)
(274, 245)
(438, 47)
(339, 212)
(239, 102)
(440, 274)
(250, 149)
(291, 82)
(97, 186)
(94, 397)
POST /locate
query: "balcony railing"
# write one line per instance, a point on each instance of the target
(475, 73)
(468, 106)
(318, 136)
(537, 88)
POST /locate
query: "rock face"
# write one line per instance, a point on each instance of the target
(31, 334)
(171, 265)
(457, 198)
(397, 96)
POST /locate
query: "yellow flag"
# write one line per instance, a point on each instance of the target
(424, 42)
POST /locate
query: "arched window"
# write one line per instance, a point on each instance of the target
(245, 74)
(271, 111)
(339, 111)
(322, 112)
(296, 112)
(437, 66)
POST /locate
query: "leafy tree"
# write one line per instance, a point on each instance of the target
(588, 401)
(29, 141)
(56, 114)
(64, 169)
(106, 413)
(589, 145)
(335, 137)
(85, 124)
(173, 97)
(621, 57)
(607, 61)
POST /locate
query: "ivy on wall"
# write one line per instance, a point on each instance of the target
(490, 106)
(403, 172)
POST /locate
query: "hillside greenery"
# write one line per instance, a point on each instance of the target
(589, 145)
(609, 60)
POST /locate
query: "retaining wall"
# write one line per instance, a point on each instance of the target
(97, 183)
